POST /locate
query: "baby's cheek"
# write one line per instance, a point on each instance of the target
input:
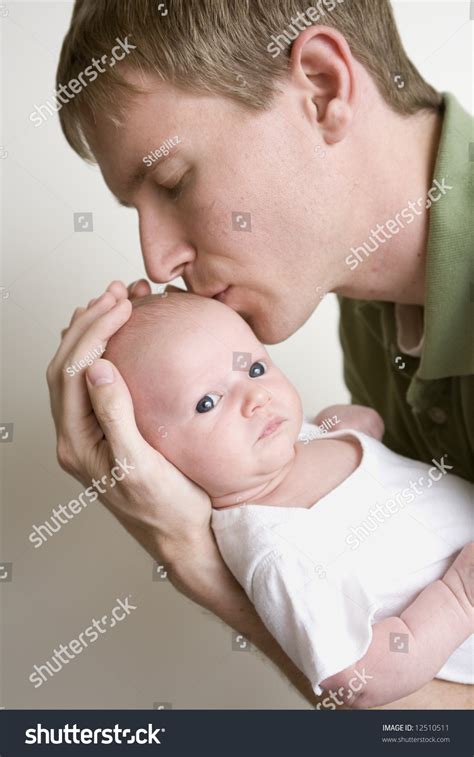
(221, 452)
(168, 443)
(294, 403)
(159, 433)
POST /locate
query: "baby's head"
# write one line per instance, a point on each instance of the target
(206, 394)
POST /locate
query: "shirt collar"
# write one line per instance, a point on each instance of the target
(448, 347)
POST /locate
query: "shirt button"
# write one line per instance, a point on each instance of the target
(437, 414)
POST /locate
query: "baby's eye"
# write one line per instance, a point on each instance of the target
(257, 369)
(208, 402)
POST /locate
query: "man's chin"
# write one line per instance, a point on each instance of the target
(268, 332)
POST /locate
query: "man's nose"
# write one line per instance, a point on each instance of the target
(256, 397)
(165, 249)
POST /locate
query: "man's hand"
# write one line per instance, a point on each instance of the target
(95, 425)
(358, 417)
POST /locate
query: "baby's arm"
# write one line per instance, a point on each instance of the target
(407, 652)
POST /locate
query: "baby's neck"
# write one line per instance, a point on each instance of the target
(315, 470)
(260, 493)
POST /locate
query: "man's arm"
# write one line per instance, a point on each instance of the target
(198, 571)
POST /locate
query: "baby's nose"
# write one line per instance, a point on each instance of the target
(256, 397)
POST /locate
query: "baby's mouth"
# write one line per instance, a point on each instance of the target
(271, 427)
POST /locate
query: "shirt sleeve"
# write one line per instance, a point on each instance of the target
(323, 621)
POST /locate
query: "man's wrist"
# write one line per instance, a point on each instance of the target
(197, 570)
(194, 564)
(186, 546)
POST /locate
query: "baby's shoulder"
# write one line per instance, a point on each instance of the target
(326, 463)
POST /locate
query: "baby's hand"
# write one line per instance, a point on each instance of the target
(358, 417)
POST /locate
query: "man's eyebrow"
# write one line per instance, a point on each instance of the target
(135, 179)
(133, 182)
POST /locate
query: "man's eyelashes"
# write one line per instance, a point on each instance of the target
(175, 191)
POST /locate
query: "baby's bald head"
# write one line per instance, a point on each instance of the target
(155, 320)
(203, 390)
(165, 342)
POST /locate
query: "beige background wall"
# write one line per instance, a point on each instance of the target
(168, 650)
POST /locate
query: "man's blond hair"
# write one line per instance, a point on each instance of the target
(223, 47)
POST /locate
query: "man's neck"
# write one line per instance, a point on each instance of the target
(389, 262)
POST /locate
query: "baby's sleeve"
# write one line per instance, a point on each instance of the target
(323, 621)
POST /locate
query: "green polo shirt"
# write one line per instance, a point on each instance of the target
(427, 402)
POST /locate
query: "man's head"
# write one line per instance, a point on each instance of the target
(276, 141)
(204, 391)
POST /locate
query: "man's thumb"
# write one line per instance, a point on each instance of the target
(113, 407)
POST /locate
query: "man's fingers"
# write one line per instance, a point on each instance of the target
(77, 313)
(118, 289)
(113, 409)
(140, 288)
(100, 331)
(90, 347)
(82, 322)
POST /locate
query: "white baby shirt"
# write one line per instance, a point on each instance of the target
(319, 577)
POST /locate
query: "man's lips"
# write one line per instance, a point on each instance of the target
(213, 293)
(271, 427)
(221, 295)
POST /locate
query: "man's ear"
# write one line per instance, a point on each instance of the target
(322, 67)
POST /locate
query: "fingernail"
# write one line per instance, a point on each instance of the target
(100, 373)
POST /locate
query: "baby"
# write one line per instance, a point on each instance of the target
(348, 551)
